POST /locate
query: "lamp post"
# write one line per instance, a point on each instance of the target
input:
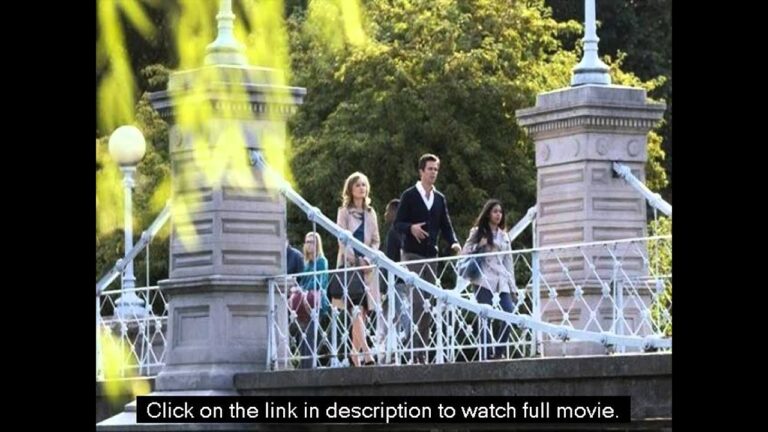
(127, 147)
(590, 70)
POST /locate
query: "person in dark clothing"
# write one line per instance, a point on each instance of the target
(392, 247)
(421, 217)
(294, 259)
(393, 241)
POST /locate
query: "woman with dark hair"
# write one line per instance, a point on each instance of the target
(497, 277)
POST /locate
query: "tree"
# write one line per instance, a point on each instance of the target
(441, 76)
(435, 76)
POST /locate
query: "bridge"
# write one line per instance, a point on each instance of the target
(592, 313)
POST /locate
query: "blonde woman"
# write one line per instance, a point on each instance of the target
(311, 296)
(357, 216)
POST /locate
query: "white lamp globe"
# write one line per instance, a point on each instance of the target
(127, 145)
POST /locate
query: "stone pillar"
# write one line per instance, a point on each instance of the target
(227, 239)
(228, 227)
(579, 132)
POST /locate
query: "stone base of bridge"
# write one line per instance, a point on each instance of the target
(646, 378)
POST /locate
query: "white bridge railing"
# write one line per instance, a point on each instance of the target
(615, 295)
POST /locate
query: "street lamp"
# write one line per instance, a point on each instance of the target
(590, 70)
(127, 147)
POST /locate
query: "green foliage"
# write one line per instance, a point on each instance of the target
(440, 76)
(660, 256)
(444, 77)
